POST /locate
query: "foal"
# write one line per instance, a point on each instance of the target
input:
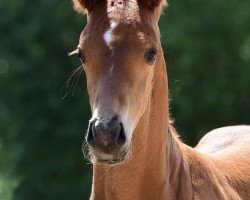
(135, 151)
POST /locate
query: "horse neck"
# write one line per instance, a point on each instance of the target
(156, 157)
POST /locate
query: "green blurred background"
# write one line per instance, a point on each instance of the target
(207, 48)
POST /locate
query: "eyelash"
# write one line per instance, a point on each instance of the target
(81, 56)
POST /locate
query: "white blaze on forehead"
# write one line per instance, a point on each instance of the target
(108, 35)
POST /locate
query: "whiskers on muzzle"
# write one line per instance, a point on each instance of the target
(86, 151)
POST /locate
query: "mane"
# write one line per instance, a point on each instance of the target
(172, 130)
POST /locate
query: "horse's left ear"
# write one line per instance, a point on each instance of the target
(153, 3)
(85, 6)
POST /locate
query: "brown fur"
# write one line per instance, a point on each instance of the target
(159, 165)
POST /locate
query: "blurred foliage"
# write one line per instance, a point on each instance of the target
(207, 45)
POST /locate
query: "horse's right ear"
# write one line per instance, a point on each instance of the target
(85, 6)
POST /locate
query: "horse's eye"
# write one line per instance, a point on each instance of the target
(151, 55)
(81, 56)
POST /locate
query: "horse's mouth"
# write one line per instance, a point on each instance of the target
(111, 162)
(109, 159)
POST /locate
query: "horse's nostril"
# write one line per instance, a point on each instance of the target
(107, 135)
(121, 139)
(90, 136)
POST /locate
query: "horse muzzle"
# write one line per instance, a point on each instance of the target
(107, 139)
